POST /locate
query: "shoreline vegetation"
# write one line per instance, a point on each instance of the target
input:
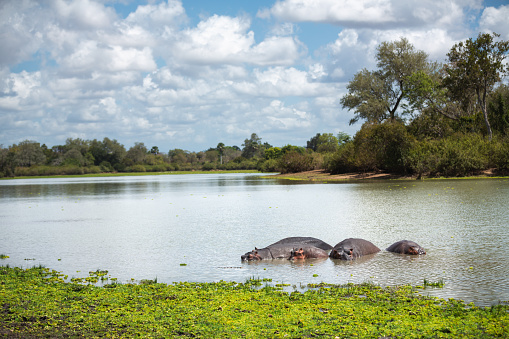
(312, 176)
(38, 302)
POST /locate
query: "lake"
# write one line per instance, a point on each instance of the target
(147, 227)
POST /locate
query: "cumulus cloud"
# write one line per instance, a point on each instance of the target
(495, 20)
(227, 40)
(372, 13)
(76, 68)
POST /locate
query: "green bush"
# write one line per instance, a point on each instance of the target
(268, 166)
(342, 161)
(208, 166)
(136, 168)
(382, 147)
(294, 162)
(458, 155)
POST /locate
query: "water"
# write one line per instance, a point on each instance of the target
(146, 227)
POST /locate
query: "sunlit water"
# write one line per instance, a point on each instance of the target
(146, 227)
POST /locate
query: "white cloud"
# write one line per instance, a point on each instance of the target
(226, 40)
(375, 13)
(495, 20)
(84, 14)
(347, 12)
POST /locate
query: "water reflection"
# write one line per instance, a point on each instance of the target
(146, 227)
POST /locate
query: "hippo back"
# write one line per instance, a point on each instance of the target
(353, 248)
(304, 241)
(406, 247)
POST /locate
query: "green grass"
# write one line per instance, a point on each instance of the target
(37, 302)
(128, 174)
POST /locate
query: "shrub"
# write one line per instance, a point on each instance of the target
(294, 162)
(136, 168)
(458, 155)
(382, 147)
(342, 161)
(271, 165)
(208, 166)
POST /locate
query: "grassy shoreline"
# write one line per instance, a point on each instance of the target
(37, 302)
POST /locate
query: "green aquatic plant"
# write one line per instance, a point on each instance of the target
(4, 256)
(440, 283)
(35, 302)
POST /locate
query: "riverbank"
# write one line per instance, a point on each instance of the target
(322, 176)
(37, 302)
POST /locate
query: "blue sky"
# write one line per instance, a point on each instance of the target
(192, 73)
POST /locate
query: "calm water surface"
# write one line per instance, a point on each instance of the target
(146, 227)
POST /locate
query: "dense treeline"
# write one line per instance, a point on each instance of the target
(421, 118)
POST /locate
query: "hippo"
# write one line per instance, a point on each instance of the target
(352, 248)
(406, 247)
(308, 252)
(285, 251)
(305, 241)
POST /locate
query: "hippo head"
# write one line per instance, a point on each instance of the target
(253, 255)
(297, 254)
(415, 250)
(341, 253)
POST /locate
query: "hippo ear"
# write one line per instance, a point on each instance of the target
(301, 249)
(256, 248)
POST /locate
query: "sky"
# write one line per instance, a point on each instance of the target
(191, 74)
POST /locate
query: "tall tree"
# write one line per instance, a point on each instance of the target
(252, 146)
(376, 96)
(477, 65)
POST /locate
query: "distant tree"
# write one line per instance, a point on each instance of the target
(273, 153)
(110, 151)
(220, 149)
(376, 96)
(178, 156)
(343, 138)
(252, 147)
(327, 143)
(28, 153)
(154, 150)
(313, 142)
(137, 153)
(477, 65)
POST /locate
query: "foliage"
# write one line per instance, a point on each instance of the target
(382, 147)
(477, 65)
(375, 96)
(293, 162)
(458, 155)
(37, 302)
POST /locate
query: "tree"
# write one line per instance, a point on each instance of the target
(137, 153)
(154, 150)
(477, 65)
(220, 149)
(498, 110)
(377, 95)
(252, 146)
(327, 143)
(28, 153)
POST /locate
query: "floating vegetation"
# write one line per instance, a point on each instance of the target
(37, 303)
(4, 256)
(439, 283)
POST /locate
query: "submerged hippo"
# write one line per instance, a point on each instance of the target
(406, 247)
(305, 241)
(352, 248)
(308, 252)
(285, 251)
